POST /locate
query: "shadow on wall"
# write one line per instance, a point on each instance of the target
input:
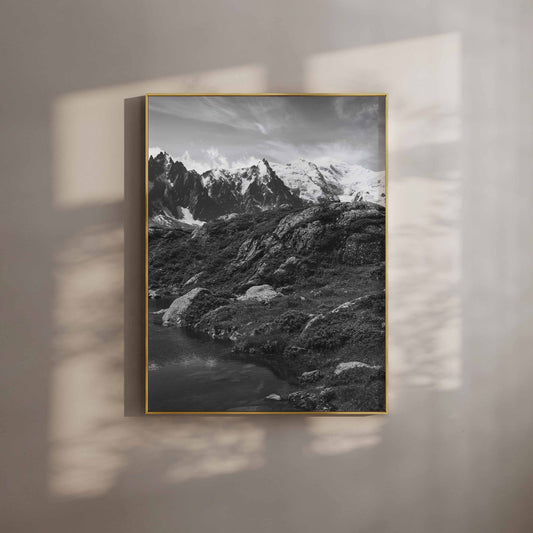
(96, 451)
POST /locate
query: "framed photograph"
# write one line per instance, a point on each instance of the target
(266, 230)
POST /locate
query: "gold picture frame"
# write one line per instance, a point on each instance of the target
(146, 282)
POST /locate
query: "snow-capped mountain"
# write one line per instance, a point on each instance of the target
(178, 196)
(308, 181)
(358, 182)
(336, 181)
(185, 196)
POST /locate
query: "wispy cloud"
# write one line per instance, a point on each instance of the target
(208, 159)
(237, 112)
(279, 128)
(365, 111)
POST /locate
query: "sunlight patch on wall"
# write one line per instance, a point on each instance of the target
(332, 436)
(222, 446)
(86, 449)
(88, 130)
(93, 447)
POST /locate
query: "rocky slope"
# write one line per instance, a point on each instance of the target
(300, 290)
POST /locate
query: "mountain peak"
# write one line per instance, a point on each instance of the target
(159, 165)
(163, 155)
(264, 162)
(264, 168)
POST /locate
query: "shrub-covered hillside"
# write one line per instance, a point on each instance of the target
(300, 291)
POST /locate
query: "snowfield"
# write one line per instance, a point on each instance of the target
(312, 183)
(337, 181)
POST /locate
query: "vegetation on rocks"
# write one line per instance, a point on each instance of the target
(324, 268)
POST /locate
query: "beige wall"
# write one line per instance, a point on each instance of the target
(454, 454)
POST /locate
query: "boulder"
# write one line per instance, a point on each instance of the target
(343, 367)
(308, 401)
(303, 400)
(189, 308)
(262, 293)
(356, 372)
(275, 397)
(310, 377)
(175, 313)
(194, 279)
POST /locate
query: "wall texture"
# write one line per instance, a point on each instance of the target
(455, 452)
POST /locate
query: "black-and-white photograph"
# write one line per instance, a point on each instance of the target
(266, 253)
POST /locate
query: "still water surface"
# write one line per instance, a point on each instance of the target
(192, 373)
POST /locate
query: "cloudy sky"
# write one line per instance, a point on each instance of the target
(235, 131)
